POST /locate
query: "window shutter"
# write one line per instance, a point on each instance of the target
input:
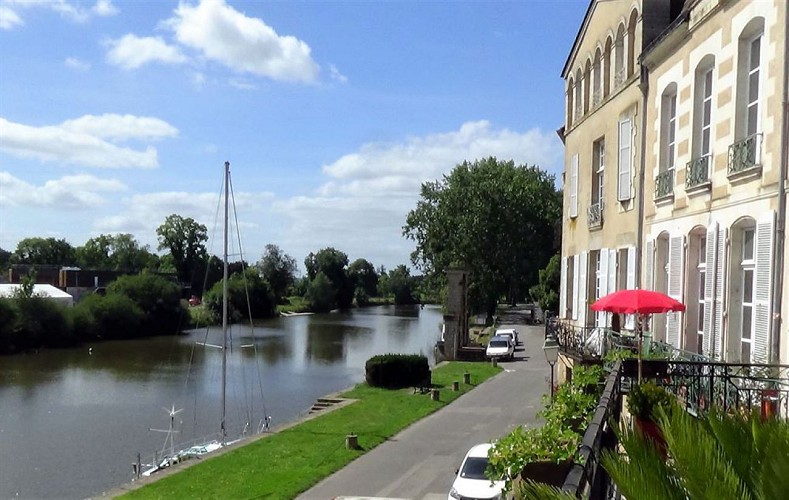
(675, 262)
(612, 264)
(583, 286)
(709, 293)
(630, 320)
(625, 159)
(720, 291)
(576, 262)
(601, 317)
(762, 303)
(574, 186)
(563, 288)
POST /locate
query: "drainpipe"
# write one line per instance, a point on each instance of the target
(644, 86)
(780, 225)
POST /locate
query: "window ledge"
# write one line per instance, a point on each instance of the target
(746, 175)
(704, 187)
(666, 199)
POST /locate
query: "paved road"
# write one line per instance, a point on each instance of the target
(420, 462)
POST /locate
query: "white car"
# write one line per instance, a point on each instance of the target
(509, 332)
(471, 481)
(500, 346)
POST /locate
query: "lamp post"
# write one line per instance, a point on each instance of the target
(551, 350)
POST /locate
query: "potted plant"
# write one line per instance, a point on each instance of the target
(644, 401)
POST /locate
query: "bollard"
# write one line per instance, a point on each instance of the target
(434, 394)
(352, 442)
(455, 386)
(494, 362)
(467, 378)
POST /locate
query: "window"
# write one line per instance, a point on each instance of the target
(749, 76)
(754, 49)
(701, 270)
(625, 159)
(669, 118)
(706, 113)
(597, 91)
(578, 94)
(746, 314)
(598, 152)
(574, 186)
(619, 57)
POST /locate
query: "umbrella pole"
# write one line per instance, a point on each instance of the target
(640, 329)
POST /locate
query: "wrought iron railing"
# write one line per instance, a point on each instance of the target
(745, 154)
(698, 171)
(594, 215)
(664, 184)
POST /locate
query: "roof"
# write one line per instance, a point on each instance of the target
(44, 290)
(581, 29)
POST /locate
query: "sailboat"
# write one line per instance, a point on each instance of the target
(168, 455)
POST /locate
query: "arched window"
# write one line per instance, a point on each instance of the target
(578, 94)
(742, 275)
(607, 67)
(631, 42)
(570, 109)
(664, 183)
(745, 152)
(587, 81)
(702, 111)
(597, 92)
(694, 299)
(619, 57)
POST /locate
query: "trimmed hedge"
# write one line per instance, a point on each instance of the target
(395, 371)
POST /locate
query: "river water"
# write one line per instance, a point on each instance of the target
(72, 421)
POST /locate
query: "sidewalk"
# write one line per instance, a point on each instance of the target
(420, 462)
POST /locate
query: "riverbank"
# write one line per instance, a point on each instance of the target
(285, 463)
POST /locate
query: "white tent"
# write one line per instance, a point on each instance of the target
(41, 290)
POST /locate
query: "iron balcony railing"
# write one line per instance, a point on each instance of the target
(664, 184)
(745, 154)
(594, 215)
(698, 171)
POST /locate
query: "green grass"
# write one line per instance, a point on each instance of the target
(289, 462)
(295, 304)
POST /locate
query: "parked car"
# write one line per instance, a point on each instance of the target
(470, 480)
(509, 332)
(500, 346)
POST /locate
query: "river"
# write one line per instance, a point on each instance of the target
(73, 420)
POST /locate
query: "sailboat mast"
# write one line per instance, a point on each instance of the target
(223, 430)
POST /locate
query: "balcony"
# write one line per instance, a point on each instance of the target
(698, 384)
(594, 215)
(745, 156)
(697, 176)
(664, 185)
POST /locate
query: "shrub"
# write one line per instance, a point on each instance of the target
(644, 399)
(157, 297)
(261, 304)
(113, 316)
(394, 371)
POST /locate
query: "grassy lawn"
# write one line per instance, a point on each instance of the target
(289, 462)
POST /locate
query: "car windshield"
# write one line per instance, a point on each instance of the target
(474, 468)
(498, 343)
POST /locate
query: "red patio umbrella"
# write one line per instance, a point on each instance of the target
(640, 302)
(637, 302)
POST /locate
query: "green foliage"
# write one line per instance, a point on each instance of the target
(487, 217)
(8, 318)
(279, 269)
(546, 292)
(44, 251)
(364, 277)
(737, 456)
(644, 399)
(557, 440)
(247, 293)
(185, 240)
(360, 297)
(113, 316)
(401, 285)
(158, 298)
(120, 252)
(321, 293)
(333, 264)
(37, 322)
(5, 259)
(394, 371)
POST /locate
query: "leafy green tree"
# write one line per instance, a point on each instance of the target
(157, 297)
(185, 239)
(44, 251)
(5, 258)
(401, 285)
(546, 292)
(279, 269)
(492, 217)
(119, 252)
(112, 316)
(321, 293)
(240, 286)
(332, 263)
(363, 275)
(8, 317)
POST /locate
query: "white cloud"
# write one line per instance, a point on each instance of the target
(9, 18)
(336, 75)
(131, 52)
(244, 44)
(76, 64)
(241, 84)
(86, 141)
(70, 192)
(9, 10)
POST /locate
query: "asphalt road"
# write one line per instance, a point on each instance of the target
(420, 462)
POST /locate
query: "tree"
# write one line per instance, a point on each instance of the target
(185, 239)
(364, 277)
(546, 292)
(44, 251)
(5, 258)
(490, 217)
(279, 269)
(321, 293)
(332, 263)
(157, 297)
(119, 252)
(401, 285)
(243, 285)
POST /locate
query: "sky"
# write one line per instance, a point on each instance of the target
(115, 114)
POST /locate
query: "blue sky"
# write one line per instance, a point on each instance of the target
(115, 114)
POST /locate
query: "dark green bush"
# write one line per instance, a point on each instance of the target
(262, 302)
(113, 316)
(394, 371)
(157, 297)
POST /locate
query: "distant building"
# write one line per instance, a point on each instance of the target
(40, 290)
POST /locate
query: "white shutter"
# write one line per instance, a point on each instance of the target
(720, 291)
(574, 186)
(675, 261)
(762, 301)
(625, 160)
(649, 264)
(602, 280)
(575, 286)
(709, 292)
(583, 286)
(563, 288)
(630, 319)
(631, 268)
(612, 264)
